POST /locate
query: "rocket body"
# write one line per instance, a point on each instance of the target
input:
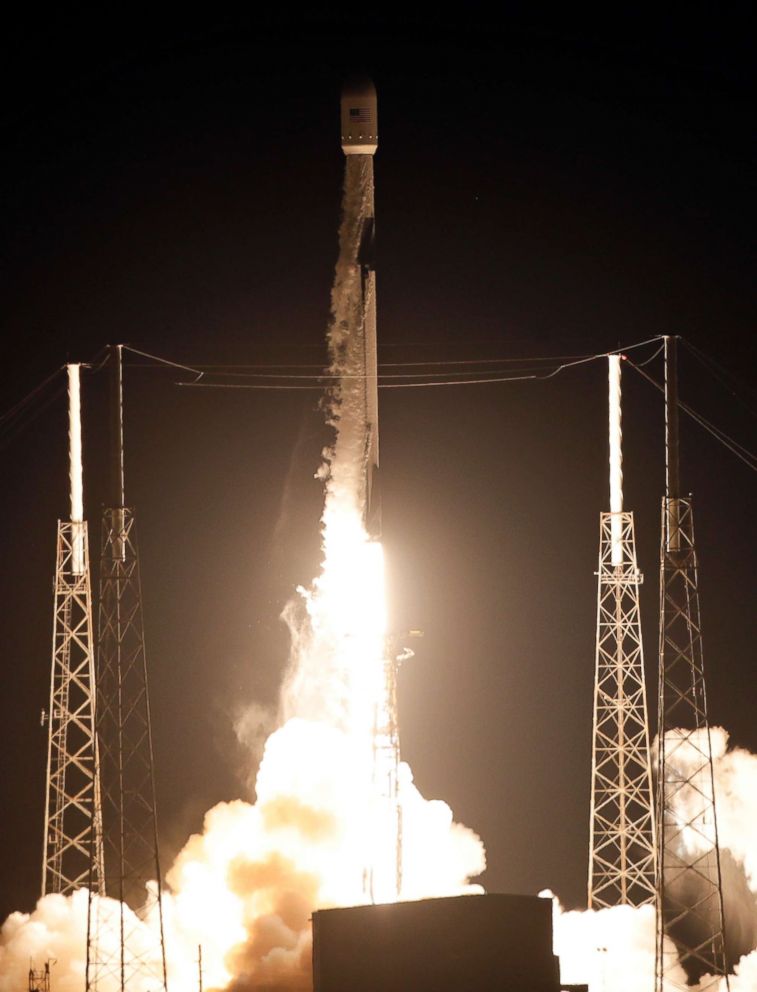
(359, 118)
(359, 137)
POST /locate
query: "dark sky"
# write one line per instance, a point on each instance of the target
(543, 188)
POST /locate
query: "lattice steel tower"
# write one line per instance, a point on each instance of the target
(386, 764)
(125, 947)
(72, 846)
(689, 893)
(622, 836)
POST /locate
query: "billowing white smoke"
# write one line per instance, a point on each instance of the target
(245, 888)
(613, 950)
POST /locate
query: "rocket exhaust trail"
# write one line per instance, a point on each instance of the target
(354, 457)
(354, 461)
(325, 810)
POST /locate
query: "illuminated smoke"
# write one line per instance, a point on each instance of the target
(246, 886)
(613, 950)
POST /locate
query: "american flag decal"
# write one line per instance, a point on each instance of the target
(360, 115)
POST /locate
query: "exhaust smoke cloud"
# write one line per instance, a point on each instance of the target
(614, 949)
(246, 886)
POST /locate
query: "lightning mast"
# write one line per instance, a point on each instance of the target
(690, 927)
(72, 846)
(622, 837)
(131, 863)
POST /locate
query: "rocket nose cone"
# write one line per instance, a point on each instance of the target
(358, 87)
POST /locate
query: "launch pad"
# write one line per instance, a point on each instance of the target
(471, 943)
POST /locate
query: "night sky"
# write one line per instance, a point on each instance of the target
(542, 188)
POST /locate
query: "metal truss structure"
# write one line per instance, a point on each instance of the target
(690, 903)
(386, 764)
(622, 835)
(72, 848)
(126, 948)
(39, 981)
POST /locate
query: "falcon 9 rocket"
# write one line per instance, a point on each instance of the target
(359, 130)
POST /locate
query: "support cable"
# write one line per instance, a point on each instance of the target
(27, 410)
(719, 372)
(749, 458)
(202, 371)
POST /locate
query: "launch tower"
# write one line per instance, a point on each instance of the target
(72, 846)
(689, 893)
(622, 837)
(131, 865)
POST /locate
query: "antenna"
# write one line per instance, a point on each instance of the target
(124, 730)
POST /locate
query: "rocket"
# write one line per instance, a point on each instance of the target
(359, 118)
(359, 131)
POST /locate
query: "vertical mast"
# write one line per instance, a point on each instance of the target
(117, 481)
(75, 472)
(118, 497)
(131, 863)
(616, 459)
(622, 837)
(672, 486)
(72, 845)
(689, 898)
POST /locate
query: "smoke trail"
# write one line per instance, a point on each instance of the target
(246, 886)
(306, 841)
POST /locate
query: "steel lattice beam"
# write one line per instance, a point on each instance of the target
(130, 840)
(622, 836)
(690, 902)
(72, 849)
(386, 764)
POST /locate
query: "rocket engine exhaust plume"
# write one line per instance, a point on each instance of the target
(245, 888)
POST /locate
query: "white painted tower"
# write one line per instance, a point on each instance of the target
(622, 836)
(72, 845)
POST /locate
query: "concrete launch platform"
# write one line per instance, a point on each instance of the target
(484, 943)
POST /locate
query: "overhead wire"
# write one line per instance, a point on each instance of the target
(20, 416)
(718, 372)
(748, 457)
(201, 372)
(207, 366)
(14, 430)
(651, 357)
(336, 376)
(91, 367)
(19, 407)
(163, 361)
(17, 418)
(229, 368)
